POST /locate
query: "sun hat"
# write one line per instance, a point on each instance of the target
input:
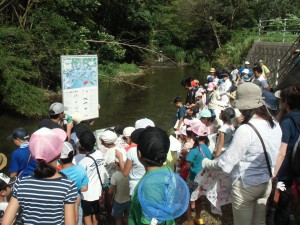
(247, 62)
(163, 195)
(3, 161)
(205, 113)
(143, 123)
(57, 108)
(260, 61)
(248, 96)
(67, 148)
(19, 133)
(6, 181)
(212, 70)
(176, 99)
(201, 89)
(197, 127)
(153, 144)
(109, 137)
(47, 144)
(210, 86)
(193, 84)
(77, 117)
(128, 131)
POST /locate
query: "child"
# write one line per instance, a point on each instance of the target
(119, 192)
(52, 194)
(5, 190)
(75, 173)
(225, 131)
(157, 185)
(22, 164)
(180, 113)
(92, 163)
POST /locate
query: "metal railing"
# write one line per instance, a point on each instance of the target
(279, 25)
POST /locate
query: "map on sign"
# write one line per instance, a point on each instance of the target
(79, 72)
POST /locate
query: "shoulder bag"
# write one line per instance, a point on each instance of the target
(274, 195)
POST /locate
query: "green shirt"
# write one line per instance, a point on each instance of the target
(136, 216)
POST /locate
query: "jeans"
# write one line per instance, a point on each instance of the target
(249, 204)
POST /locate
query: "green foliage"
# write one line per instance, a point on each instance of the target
(112, 69)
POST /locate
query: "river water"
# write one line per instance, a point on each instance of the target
(121, 104)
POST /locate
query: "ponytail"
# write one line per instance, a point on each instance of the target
(44, 170)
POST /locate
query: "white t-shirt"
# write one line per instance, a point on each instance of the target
(228, 131)
(122, 187)
(77, 158)
(137, 171)
(109, 155)
(95, 190)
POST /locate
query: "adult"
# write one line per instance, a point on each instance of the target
(258, 75)
(265, 70)
(234, 74)
(213, 75)
(246, 66)
(225, 87)
(290, 110)
(56, 120)
(47, 197)
(245, 159)
(190, 95)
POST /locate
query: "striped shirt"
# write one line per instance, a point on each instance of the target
(42, 200)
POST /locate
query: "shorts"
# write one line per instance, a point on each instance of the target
(118, 209)
(90, 208)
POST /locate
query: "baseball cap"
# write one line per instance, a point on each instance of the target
(176, 99)
(212, 70)
(47, 144)
(210, 86)
(57, 108)
(67, 148)
(247, 62)
(163, 195)
(143, 123)
(19, 133)
(6, 181)
(246, 71)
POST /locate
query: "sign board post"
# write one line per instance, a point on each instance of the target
(79, 74)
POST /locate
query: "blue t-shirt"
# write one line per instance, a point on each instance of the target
(19, 161)
(77, 174)
(290, 135)
(180, 113)
(195, 157)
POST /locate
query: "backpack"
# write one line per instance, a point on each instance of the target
(295, 158)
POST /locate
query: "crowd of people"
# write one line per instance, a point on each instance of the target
(64, 173)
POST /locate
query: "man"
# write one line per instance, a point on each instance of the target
(180, 114)
(247, 66)
(56, 120)
(265, 70)
(225, 87)
(258, 76)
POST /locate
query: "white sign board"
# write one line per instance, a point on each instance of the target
(79, 74)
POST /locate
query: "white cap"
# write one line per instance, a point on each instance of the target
(127, 131)
(143, 123)
(67, 148)
(109, 137)
(247, 62)
(277, 94)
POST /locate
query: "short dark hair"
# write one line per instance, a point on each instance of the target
(291, 95)
(54, 116)
(257, 69)
(153, 144)
(87, 140)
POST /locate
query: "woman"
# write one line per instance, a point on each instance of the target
(46, 197)
(245, 159)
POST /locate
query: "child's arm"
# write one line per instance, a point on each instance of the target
(111, 191)
(70, 214)
(10, 212)
(84, 188)
(127, 168)
(220, 144)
